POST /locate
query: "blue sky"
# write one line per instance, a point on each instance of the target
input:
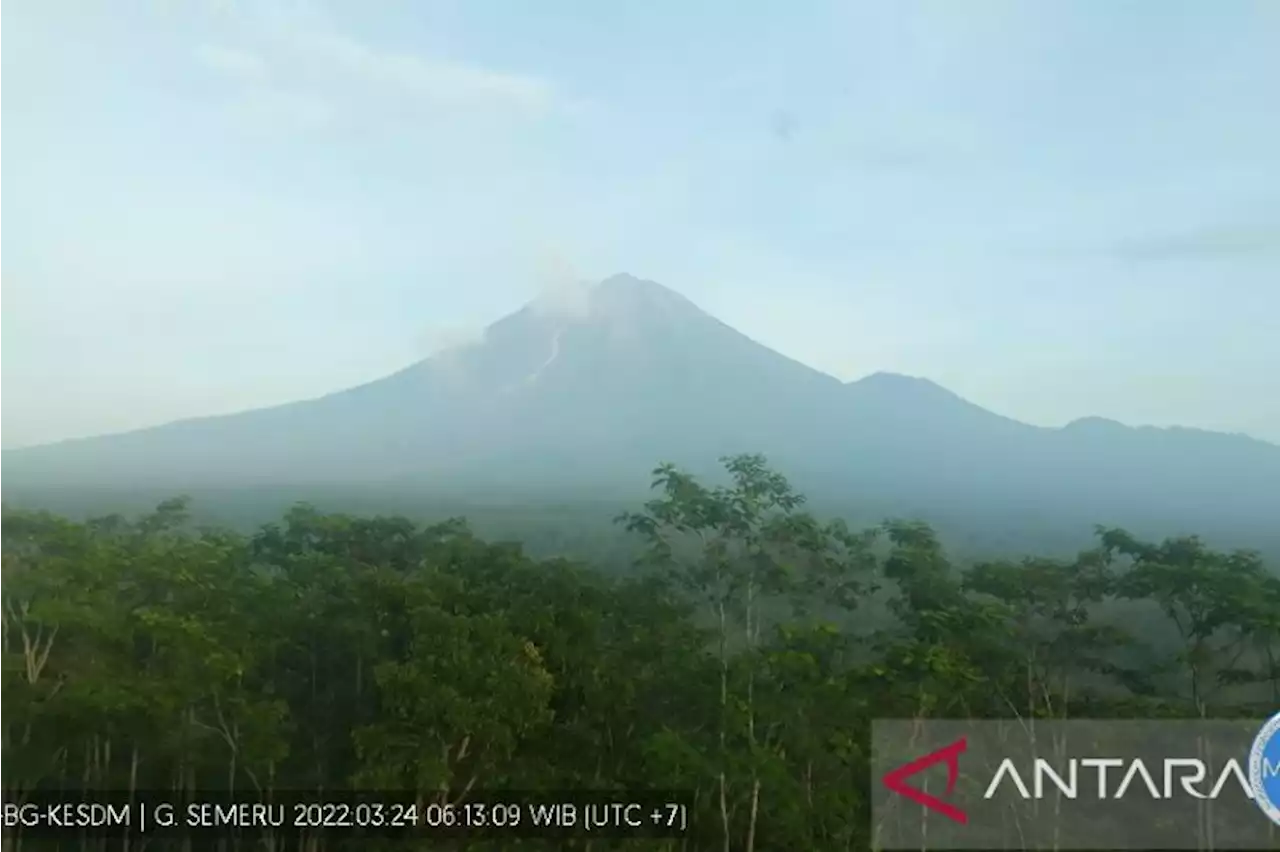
(1056, 209)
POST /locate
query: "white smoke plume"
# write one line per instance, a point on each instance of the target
(562, 291)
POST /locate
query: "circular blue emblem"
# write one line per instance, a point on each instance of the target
(1264, 769)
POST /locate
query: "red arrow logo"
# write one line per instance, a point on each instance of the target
(897, 780)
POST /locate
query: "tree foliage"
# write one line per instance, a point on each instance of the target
(744, 662)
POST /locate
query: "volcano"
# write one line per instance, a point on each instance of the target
(590, 389)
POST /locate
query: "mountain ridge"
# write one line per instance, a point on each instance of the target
(594, 385)
(624, 286)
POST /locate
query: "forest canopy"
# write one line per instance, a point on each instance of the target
(743, 660)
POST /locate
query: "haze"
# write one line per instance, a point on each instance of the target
(1056, 210)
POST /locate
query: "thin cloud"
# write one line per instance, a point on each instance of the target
(261, 102)
(231, 62)
(1205, 243)
(303, 44)
(436, 80)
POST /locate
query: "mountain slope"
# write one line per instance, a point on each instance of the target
(591, 390)
(631, 369)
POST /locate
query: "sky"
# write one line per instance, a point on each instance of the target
(1054, 209)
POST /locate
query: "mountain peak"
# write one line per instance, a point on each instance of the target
(620, 297)
(625, 292)
(1096, 424)
(901, 385)
(626, 279)
(924, 399)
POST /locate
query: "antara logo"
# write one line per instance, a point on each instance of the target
(1189, 777)
(897, 780)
